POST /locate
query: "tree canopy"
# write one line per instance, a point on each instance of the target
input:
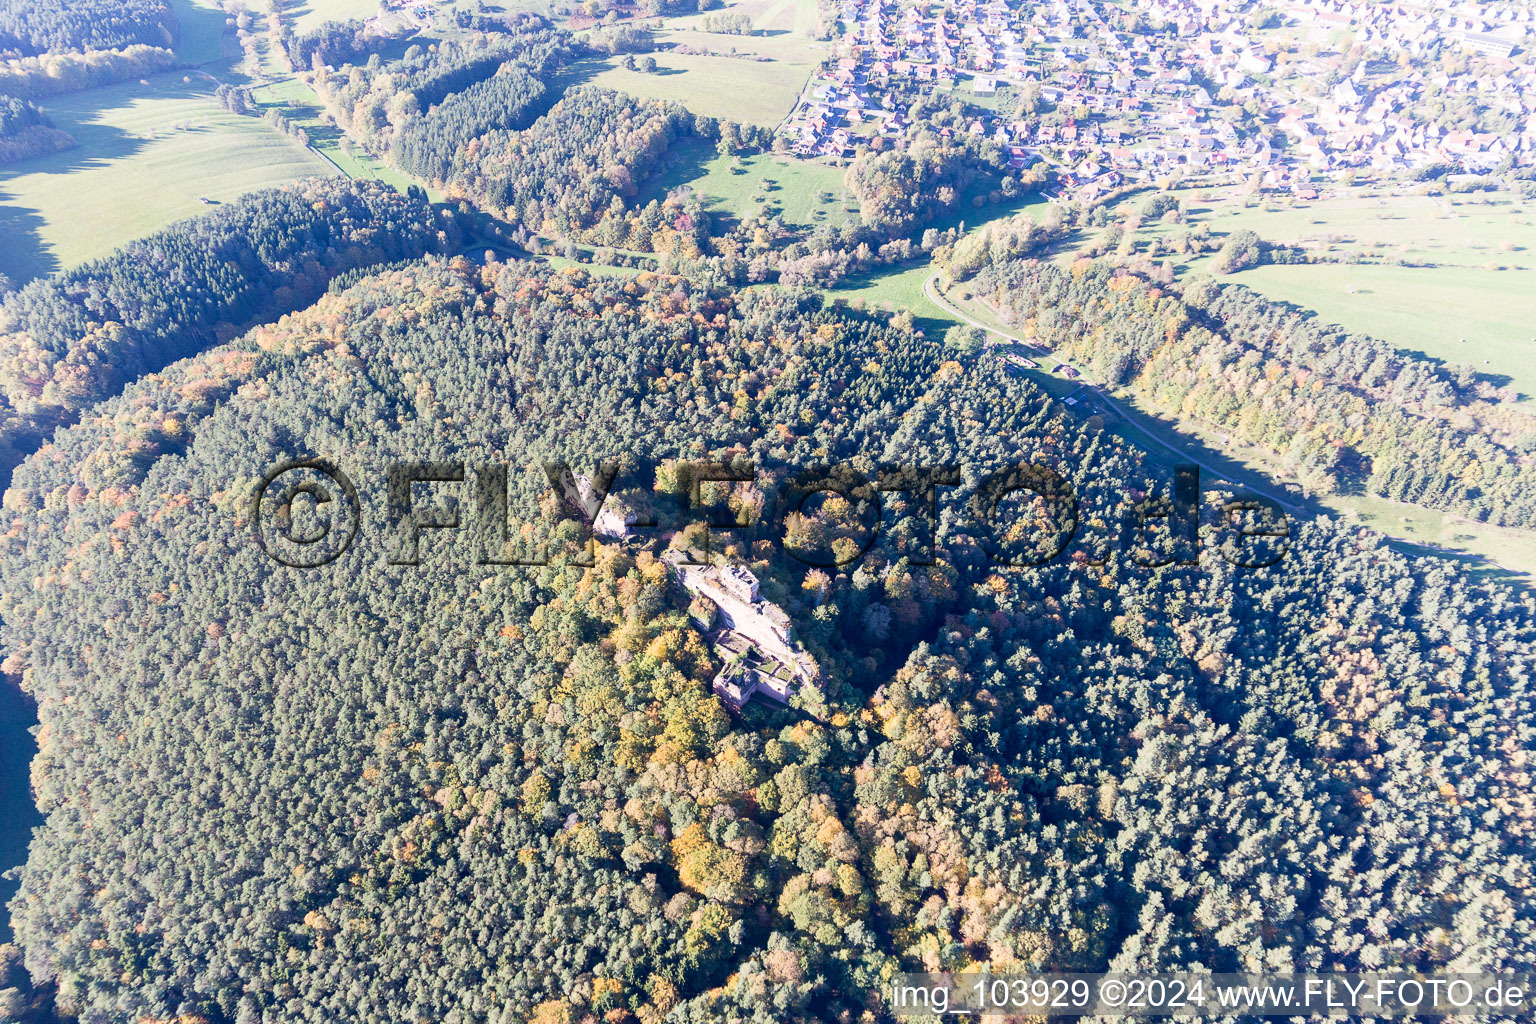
(470, 792)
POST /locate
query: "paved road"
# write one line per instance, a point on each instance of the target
(931, 290)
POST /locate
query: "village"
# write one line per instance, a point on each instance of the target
(1285, 98)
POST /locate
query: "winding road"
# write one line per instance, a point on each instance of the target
(932, 293)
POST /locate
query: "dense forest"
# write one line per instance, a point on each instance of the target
(72, 339)
(470, 792)
(576, 165)
(900, 189)
(25, 131)
(32, 27)
(418, 111)
(427, 144)
(334, 42)
(1341, 411)
(490, 787)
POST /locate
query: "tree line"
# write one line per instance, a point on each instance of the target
(1340, 411)
(70, 340)
(53, 73)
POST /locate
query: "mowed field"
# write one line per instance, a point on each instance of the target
(146, 155)
(747, 89)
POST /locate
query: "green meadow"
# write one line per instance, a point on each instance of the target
(147, 155)
(893, 290)
(799, 193)
(1485, 319)
(1438, 275)
(1483, 230)
(760, 84)
(1475, 230)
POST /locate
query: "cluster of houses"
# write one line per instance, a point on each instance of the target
(401, 17)
(1222, 97)
(1378, 117)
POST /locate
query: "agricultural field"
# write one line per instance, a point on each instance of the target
(146, 156)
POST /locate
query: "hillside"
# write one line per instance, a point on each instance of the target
(462, 791)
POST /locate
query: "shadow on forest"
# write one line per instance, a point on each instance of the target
(18, 813)
(22, 256)
(684, 161)
(201, 23)
(1237, 477)
(577, 72)
(97, 145)
(965, 214)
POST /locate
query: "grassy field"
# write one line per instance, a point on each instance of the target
(595, 269)
(896, 290)
(203, 38)
(309, 14)
(799, 193)
(1482, 230)
(1485, 319)
(301, 106)
(146, 155)
(1466, 256)
(756, 91)
(752, 92)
